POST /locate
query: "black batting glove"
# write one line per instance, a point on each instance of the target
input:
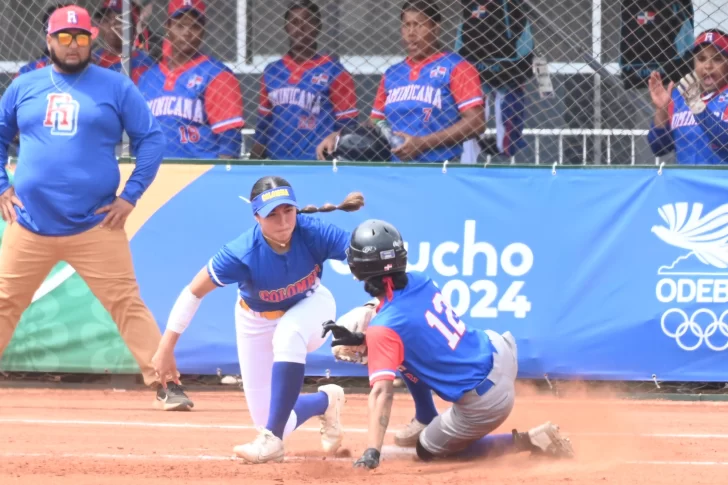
(342, 335)
(369, 460)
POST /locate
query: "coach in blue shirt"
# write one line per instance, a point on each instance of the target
(62, 205)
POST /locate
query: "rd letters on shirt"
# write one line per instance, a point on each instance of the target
(62, 114)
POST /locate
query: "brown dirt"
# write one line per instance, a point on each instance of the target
(70, 437)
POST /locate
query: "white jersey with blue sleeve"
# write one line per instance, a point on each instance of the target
(268, 281)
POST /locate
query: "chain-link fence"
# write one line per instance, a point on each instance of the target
(295, 75)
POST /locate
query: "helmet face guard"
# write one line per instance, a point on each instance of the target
(376, 249)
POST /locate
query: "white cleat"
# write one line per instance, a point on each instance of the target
(266, 447)
(332, 434)
(546, 439)
(408, 436)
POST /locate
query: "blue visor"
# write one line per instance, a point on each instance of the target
(272, 198)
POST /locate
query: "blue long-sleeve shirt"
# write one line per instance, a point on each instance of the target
(696, 140)
(70, 125)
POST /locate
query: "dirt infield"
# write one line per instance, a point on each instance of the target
(114, 438)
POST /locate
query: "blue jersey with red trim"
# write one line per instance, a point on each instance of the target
(696, 140)
(33, 65)
(420, 335)
(426, 97)
(301, 104)
(199, 106)
(268, 281)
(140, 62)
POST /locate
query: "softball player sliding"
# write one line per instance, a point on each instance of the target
(281, 306)
(416, 332)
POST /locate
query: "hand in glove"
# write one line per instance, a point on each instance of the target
(369, 460)
(691, 90)
(342, 335)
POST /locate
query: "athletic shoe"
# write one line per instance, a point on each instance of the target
(547, 440)
(407, 436)
(173, 398)
(332, 434)
(266, 447)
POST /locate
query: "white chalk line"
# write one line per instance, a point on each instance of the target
(147, 424)
(155, 457)
(388, 452)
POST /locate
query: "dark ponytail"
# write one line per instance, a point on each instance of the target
(352, 203)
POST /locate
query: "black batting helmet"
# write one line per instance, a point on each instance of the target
(362, 144)
(376, 249)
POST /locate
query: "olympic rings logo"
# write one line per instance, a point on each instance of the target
(695, 328)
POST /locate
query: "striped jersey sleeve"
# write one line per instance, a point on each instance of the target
(466, 87)
(385, 353)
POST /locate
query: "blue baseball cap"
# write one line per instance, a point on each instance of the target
(266, 201)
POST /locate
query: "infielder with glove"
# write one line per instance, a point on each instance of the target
(412, 329)
(277, 266)
(692, 120)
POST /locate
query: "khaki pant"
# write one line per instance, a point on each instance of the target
(103, 259)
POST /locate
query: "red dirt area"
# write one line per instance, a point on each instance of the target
(96, 437)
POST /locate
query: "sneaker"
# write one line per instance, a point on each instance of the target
(173, 398)
(547, 440)
(332, 433)
(266, 447)
(408, 436)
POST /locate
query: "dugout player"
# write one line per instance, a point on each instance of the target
(63, 203)
(432, 99)
(109, 53)
(44, 59)
(196, 98)
(416, 332)
(304, 96)
(692, 120)
(496, 38)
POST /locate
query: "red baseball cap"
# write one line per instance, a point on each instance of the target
(72, 17)
(716, 39)
(178, 7)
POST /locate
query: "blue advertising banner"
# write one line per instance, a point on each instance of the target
(598, 273)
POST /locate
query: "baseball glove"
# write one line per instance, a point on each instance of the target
(692, 91)
(349, 331)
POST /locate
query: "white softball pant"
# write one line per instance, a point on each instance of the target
(287, 339)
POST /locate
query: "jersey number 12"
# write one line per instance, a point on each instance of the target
(454, 329)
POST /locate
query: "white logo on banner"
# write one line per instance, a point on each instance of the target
(475, 260)
(700, 276)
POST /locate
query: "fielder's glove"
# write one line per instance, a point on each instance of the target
(691, 90)
(349, 342)
(370, 459)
